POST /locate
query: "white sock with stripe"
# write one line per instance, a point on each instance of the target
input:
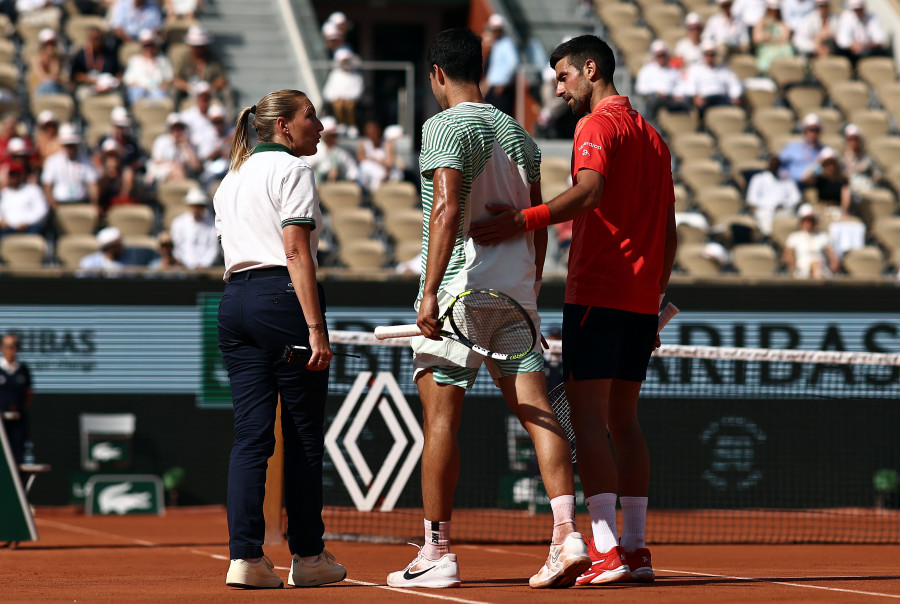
(634, 519)
(437, 539)
(602, 508)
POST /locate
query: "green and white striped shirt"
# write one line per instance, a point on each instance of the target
(499, 162)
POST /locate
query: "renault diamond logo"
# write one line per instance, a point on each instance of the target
(394, 473)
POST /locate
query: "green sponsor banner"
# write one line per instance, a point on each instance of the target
(215, 389)
(17, 524)
(124, 494)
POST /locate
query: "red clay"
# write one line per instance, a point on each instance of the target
(182, 557)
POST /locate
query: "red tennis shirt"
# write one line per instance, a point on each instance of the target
(617, 253)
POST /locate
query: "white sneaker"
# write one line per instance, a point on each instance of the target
(322, 571)
(422, 572)
(564, 564)
(253, 575)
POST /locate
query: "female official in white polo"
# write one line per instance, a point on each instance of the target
(268, 221)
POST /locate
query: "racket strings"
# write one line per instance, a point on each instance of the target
(560, 405)
(493, 323)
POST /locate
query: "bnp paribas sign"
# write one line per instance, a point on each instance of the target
(124, 494)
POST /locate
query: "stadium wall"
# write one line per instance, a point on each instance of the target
(147, 346)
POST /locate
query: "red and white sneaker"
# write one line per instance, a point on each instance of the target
(639, 565)
(605, 568)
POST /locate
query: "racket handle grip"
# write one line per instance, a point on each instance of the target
(666, 315)
(383, 332)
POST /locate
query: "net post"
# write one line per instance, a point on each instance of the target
(274, 501)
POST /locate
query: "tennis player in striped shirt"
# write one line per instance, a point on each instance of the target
(473, 154)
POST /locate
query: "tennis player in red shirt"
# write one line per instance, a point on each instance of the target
(623, 248)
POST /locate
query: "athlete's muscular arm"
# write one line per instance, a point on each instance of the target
(508, 222)
(443, 227)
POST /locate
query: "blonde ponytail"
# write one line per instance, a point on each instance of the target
(281, 103)
(240, 145)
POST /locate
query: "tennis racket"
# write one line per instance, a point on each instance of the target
(486, 320)
(560, 404)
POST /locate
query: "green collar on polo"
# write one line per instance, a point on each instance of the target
(270, 147)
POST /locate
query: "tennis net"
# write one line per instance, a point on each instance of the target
(747, 446)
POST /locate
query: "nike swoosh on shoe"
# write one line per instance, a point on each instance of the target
(411, 575)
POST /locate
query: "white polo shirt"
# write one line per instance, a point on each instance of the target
(271, 190)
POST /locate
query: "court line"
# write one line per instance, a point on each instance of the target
(787, 583)
(86, 531)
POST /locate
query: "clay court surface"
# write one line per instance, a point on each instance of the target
(183, 557)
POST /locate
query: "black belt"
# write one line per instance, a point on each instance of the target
(256, 273)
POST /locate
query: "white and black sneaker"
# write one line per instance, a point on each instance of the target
(423, 572)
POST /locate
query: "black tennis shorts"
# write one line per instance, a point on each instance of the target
(605, 343)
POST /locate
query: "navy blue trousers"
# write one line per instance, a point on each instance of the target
(258, 315)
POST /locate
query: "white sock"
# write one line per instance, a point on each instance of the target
(634, 519)
(309, 559)
(563, 508)
(437, 539)
(602, 508)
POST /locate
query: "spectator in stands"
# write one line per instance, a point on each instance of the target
(194, 233)
(771, 192)
(20, 151)
(859, 33)
(203, 135)
(108, 257)
(502, 62)
(828, 180)
(748, 12)
(174, 156)
(182, 9)
(334, 39)
(166, 250)
(377, 161)
(332, 162)
(68, 176)
(794, 11)
(46, 138)
(660, 84)
(711, 83)
(201, 65)
(814, 36)
(23, 206)
(798, 157)
(128, 17)
(340, 21)
(687, 49)
(771, 37)
(149, 73)
(94, 60)
(860, 168)
(344, 88)
(807, 252)
(116, 179)
(47, 75)
(120, 124)
(725, 31)
(217, 150)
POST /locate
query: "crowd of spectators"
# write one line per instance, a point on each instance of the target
(57, 156)
(819, 184)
